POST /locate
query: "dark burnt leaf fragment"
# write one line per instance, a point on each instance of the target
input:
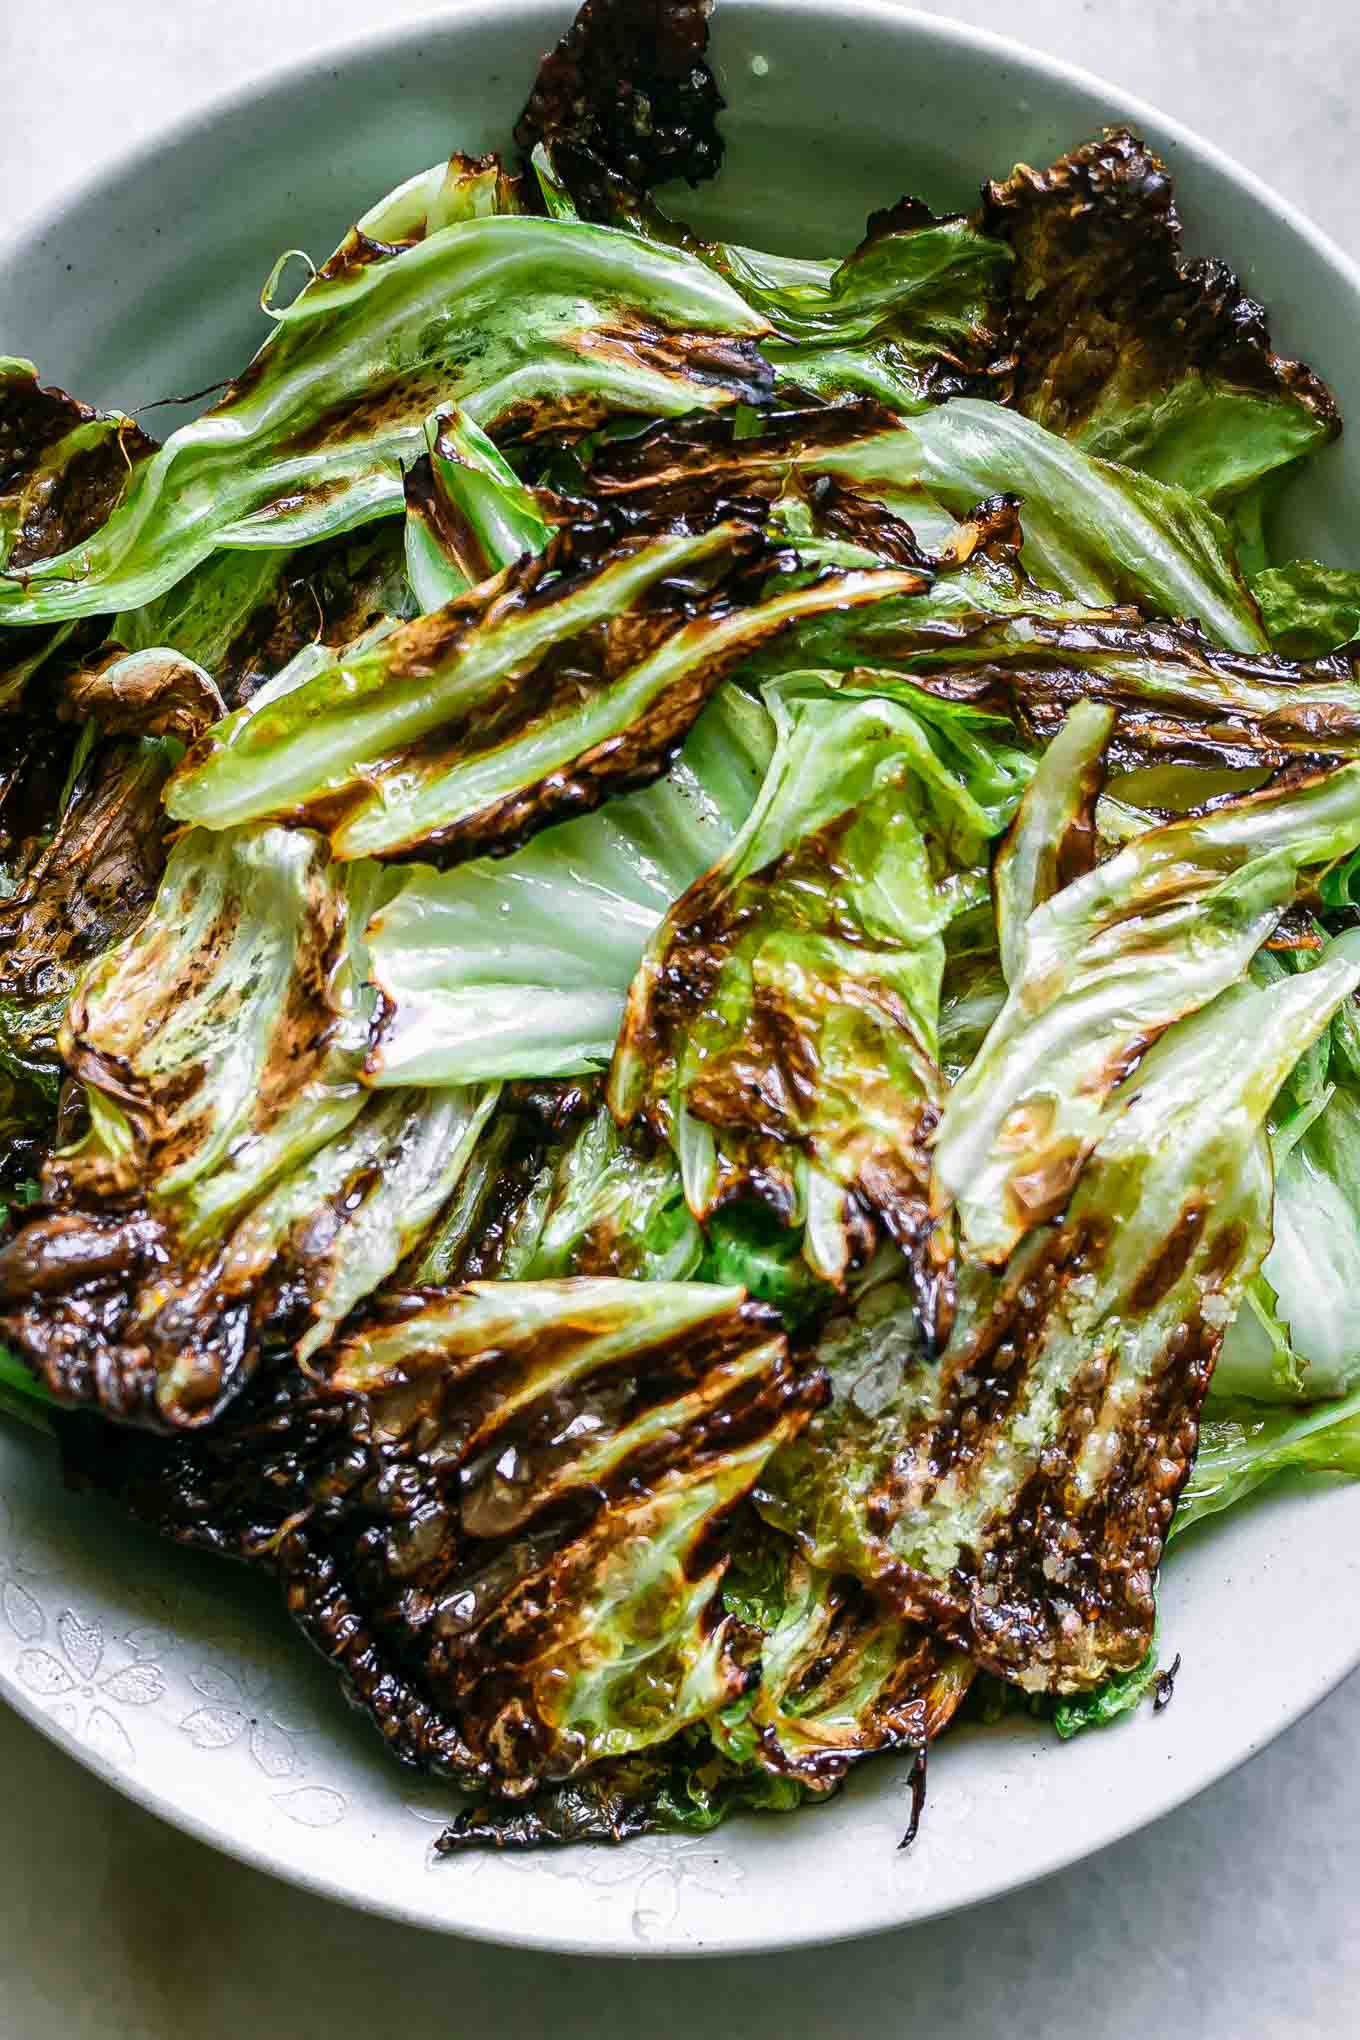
(629, 83)
(36, 755)
(69, 1287)
(917, 1786)
(26, 1135)
(146, 694)
(1166, 1685)
(611, 1803)
(77, 893)
(63, 467)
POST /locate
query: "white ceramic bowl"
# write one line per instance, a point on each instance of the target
(181, 1682)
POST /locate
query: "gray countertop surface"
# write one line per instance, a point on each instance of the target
(1234, 1917)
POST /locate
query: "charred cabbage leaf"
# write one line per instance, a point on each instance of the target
(991, 652)
(570, 675)
(467, 513)
(983, 637)
(781, 1033)
(116, 1307)
(1107, 963)
(224, 1039)
(244, 616)
(76, 894)
(1095, 533)
(1017, 1496)
(687, 1787)
(1176, 697)
(533, 326)
(910, 316)
(152, 693)
(236, 1184)
(839, 1680)
(1110, 1702)
(1130, 351)
(39, 760)
(64, 468)
(612, 1208)
(1052, 840)
(519, 966)
(553, 1189)
(501, 1514)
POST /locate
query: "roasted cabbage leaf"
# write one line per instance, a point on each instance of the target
(839, 1680)
(76, 894)
(781, 1033)
(1052, 840)
(519, 966)
(533, 326)
(1095, 531)
(64, 468)
(222, 1041)
(246, 615)
(1129, 350)
(500, 1513)
(236, 1184)
(1153, 933)
(114, 1306)
(1177, 698)
(1016, 1497)
(575, 673)
(467, 513)
(912, 315)
(1297, 1337)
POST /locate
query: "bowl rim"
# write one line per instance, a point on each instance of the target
(24, 241)
(31, 230)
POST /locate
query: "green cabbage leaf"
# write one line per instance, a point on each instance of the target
(533, 326)
(1151, 934)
